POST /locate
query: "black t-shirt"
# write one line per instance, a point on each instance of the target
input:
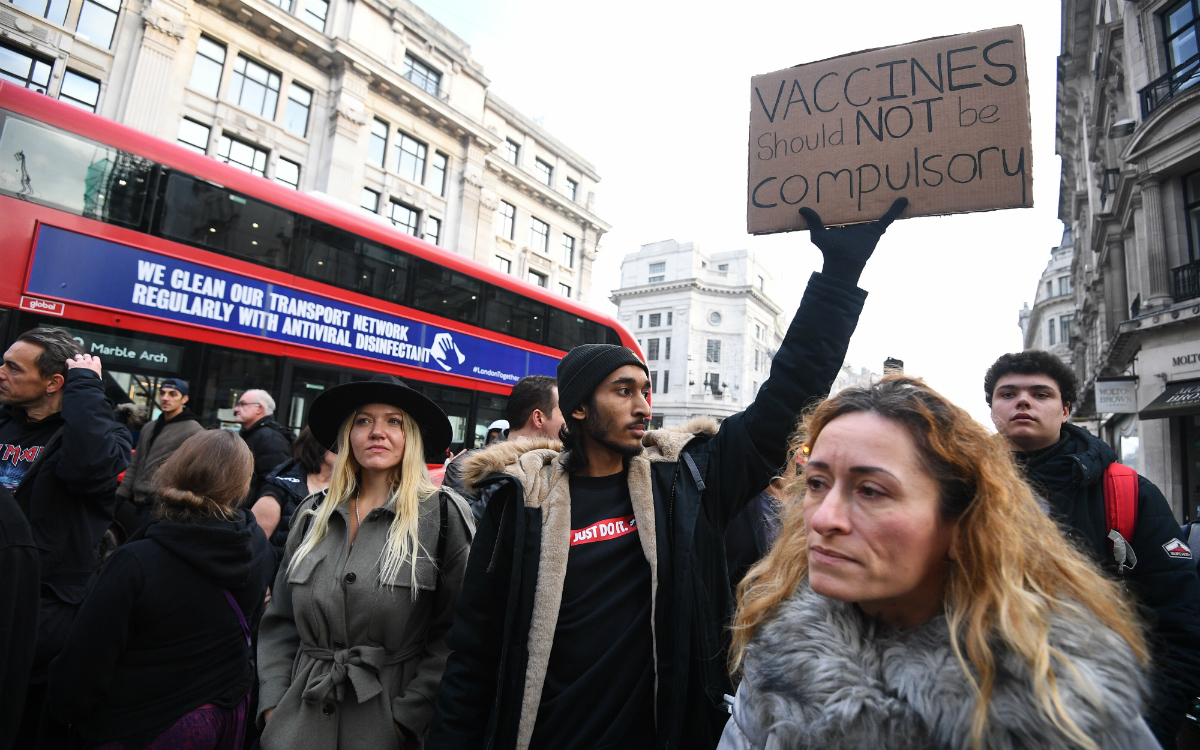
(599, 690)
(21, 441)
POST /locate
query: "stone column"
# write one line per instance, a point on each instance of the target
(342, 176)
(476, 235)
(164, 24)
(1116, 284)
(1156, 245)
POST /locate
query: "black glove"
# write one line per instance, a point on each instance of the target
(846, 249)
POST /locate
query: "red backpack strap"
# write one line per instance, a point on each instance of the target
(1120, 510)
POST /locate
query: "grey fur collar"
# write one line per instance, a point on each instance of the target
(820, 674)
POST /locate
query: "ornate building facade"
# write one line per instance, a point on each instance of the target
(372, 103)
(1050, 323)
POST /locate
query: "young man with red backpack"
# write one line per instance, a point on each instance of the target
(1118, 517)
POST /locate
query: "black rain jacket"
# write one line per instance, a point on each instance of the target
(479, 702)
(1070, 475)
(271, 444)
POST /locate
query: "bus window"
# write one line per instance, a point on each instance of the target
(456, 402)
(514, 314)
(441, 291)
(227, 374)
(490, 408)
(212, 217)
(382, 272)
(72, 174)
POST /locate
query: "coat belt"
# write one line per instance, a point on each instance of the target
(360, 664)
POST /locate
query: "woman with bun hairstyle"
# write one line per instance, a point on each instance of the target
(159, 655)
(919, 597)
(352, 646)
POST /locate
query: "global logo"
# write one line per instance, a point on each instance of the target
(444, 349)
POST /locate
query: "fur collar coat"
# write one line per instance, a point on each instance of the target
(820, 674)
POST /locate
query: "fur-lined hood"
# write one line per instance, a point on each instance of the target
(820, 674)
(511, 456)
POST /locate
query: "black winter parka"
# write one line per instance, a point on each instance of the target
(1070, 475)
(479, 704)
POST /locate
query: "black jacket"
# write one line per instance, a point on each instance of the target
(480, 700)
(453, 478)
(1071, 476)
(288, 484)
(156, 637)
(18, 613)
(271, 444)
(68, 494)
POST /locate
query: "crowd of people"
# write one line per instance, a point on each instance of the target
(868, 569)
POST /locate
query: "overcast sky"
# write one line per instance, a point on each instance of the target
(654, 94)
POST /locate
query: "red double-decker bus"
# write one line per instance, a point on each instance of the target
(166, 263)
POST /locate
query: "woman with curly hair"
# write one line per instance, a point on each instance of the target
(919, 597)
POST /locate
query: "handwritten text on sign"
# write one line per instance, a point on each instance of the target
(944, 122)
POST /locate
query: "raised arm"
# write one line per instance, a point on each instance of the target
(95, 448)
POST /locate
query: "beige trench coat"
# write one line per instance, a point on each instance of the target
(343, 658)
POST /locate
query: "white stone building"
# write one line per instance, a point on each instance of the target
(706, 323)
(848, 378)
(1050, 323)
(371, 102)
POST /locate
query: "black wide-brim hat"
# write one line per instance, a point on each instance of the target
(332, 408)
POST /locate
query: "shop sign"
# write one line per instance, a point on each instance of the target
(1116, 396)
(93, 271)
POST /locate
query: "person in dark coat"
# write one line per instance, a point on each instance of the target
(752, 532)
(286, 487)
(18, 614)
(1031, 394)
(269, 441)
(60, 454)
(160, 651)
(596, 603)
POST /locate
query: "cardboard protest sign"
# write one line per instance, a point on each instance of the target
(944, 122)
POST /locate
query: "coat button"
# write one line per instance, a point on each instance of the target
(350, 577)
(327, 709)
(339, 645)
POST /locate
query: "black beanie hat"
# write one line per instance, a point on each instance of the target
(585, 367)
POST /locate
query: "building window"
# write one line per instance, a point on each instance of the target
(285, 4)
(658, 267)
(24, 69)
(369, 200)
(537, 278)
(667, 348)
(404, 217)
(1064, 285)
(1049, 288)
(713, 381)
(655, 320)
(713, 352)
(1052, 331)
(54, 11)
(639, 326)
(1180, 28)
(437, 174)
(409, 158)
(670, 318)
(425, 77)
(758, 331)
(539, 235)
(568, 251)
(652, 346)
(98, 21)
(287, 172)
(503, 265)
(653, 380)
(762, 284)
(756, 353)
(254, 88)
(666, 380)
(378, 143)
(512, 151)
(506, 219)
(572, 190)
(295, 117)
(315, 13)
(242, 155)
(543, 171)
(723, 267)
(714, 318)
(194, 136)
(1191, 191)
(207, 67)
(79, 90)
(433, 230)
(564, 290)
(1066, 327)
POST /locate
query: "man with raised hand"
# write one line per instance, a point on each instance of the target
(595, 607)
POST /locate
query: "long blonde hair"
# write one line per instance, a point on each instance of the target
(410, 484)
(1014, 567)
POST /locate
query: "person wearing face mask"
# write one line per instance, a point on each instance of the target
(352, 646)
(919, 597)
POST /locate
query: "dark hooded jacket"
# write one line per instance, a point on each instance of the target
(1070, 475)
(685, 488)
(288, 485)
(271, 444)
(156, 637)
(68, 496)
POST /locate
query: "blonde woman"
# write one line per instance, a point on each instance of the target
(918, 597)
(352, 647)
